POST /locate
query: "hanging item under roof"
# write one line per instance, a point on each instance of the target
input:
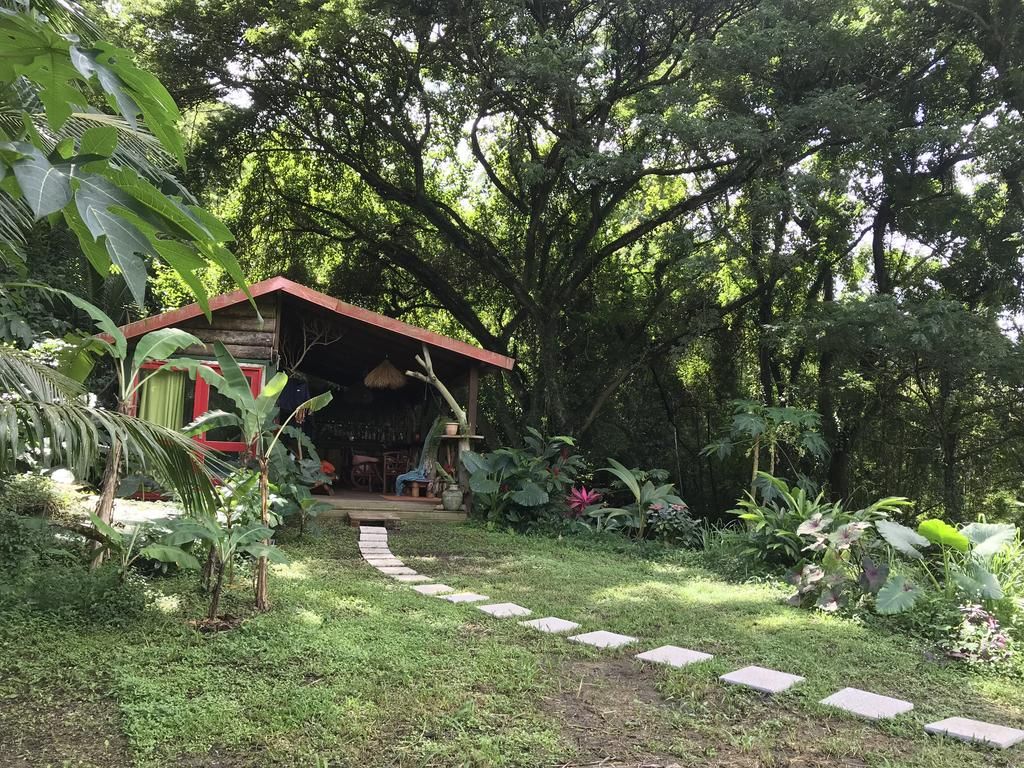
(385, 376)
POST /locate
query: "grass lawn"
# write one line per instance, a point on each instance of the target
(352, 669)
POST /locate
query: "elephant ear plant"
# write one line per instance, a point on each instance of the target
(958, 562)
(255, 418)
(848, 560)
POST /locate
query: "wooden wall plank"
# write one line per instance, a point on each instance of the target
(239, 351)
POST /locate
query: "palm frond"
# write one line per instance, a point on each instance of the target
(15, 224)
(65, 16)
(45, 412)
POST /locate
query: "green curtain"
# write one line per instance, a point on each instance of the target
(163, 399)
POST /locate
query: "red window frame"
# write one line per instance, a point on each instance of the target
(201, 400)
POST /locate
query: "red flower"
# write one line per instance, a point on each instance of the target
(581, 498)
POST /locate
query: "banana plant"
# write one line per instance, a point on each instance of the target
(125, 546)
(255, 418)
(226, 540)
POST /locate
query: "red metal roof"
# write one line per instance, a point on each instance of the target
(283, 284)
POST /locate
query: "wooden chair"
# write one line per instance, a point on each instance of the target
(365, 469)
(394, 464)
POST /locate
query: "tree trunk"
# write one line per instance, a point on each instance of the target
(262, 598)
(879, 228)
(215, 599)
(209, 569)
(757, 460)
(552, 409)
(105, 505)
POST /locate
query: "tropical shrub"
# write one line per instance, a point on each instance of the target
(25, 541)
(72, 593)
(36, 496)
(227, 537)
(978, 638)
(673, 522)
(957, 562)
(258, 420)
(523, 487)
(644, 499)
(135, 543)
(772, 521)
(783, 432)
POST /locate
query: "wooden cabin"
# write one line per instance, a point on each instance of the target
(368, 434)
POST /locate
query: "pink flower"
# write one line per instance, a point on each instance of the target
(581, 498)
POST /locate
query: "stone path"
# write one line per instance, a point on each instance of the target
(373, 545)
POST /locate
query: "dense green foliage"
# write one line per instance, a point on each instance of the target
(657, 208)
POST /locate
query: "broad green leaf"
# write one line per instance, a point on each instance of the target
(108, 532)
(897, 596)
(479, 482)
(186, 261)
(991, 589)
(166, 553)
(237, 385)
(211, 420)
(904, 540)
(272, 553)
(161, 344)
(628, 478)
(989, 539)
(268, 395)
(94, 250)
(126, 246)
(45, 187)
(530, 495)
(945, 535)
(98, 140)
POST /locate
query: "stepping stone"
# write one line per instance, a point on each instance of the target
(551, 624)
(961, 728)
(866, 704)
(433, 589)
(411, 578)
(367, 537)
(603, 639)
(396, 570)
(674, 656)
(372, 529)
(761, 679)
(379, 562)
(374, 548)
(464, 597)
(505, 610)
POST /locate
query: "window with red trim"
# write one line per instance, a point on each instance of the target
(197, 397)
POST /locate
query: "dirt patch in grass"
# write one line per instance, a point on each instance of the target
(60, 729)
(612, 714)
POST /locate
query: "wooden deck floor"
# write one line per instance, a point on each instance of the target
(360, 507)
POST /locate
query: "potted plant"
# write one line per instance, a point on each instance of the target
(451, 428)
(451, 495)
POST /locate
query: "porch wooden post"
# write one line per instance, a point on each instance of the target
(471, 417)
(474, 394)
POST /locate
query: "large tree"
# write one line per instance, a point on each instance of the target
(510, 158)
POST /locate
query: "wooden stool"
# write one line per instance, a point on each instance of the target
(416, 486)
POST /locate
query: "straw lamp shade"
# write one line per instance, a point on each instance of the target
(385, 376)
